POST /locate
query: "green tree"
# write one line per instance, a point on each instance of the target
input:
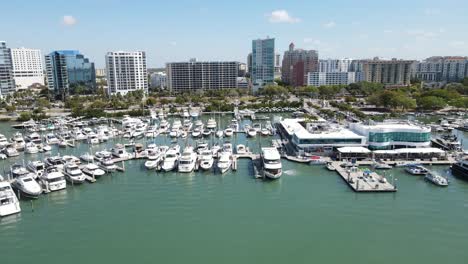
(431, 103)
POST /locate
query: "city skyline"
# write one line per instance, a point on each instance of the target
(363, 29)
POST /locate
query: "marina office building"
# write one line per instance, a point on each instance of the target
(195, 75)
(393, 135)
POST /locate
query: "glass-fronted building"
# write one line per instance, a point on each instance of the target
(393, 135)
(263, 62)
(67, 70)
(7, 82)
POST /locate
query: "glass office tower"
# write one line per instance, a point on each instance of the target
(263, 62)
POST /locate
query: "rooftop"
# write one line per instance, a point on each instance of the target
(292, 126)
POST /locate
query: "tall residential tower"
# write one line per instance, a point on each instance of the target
(27, 67)
(126, 72)
(263, 62)
(7, 83)
(297, 63)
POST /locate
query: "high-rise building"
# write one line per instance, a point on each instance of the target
(100, 73)
(263, 62)
(193, 75)
(68, 70)
(7, 82)
(441, 69)
(332, 78)
(277, 65)
(126, 71)
(455, 69)
(158, 80)
(27, 67)
(249, 63)
(388, 72)
(296, 64)
(335, 65)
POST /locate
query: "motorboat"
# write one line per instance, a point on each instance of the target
(104, 154)
(211, 124)
(63, 143)
(228, 132)
(163, 126)
(271, 161)
(53, 180)
(18, 141)
(27, 186)
(317, 160)
(151, 132)
(44, 147)
(17, 170)
(31, 148)
(436, 179)
(215, 149)
(224, 162)
(73, 174)
(460, 169)
(199, 124)
(187, 125)
(174, 132)
(11, 151)
(206, 132)
(330, 166)
(37, 167)
(257, 127)
(154, 158)
(77, 134)
(183, 134)
(201, 146)
(51, 139)
(176, 125)
(196, 132)
(234, 124)
(252, 132)
(119, 151)
(227, 147)
(187, 160)
(205, 159)
(265, 132)
(34, 137)
(93, 170)
(108, 165)
(380, 165)
(194, 114)
(170, 159)
(87, 157)
(55, 161)
(185, 114)
(71, 159)
(93, 138)
(3, 141)
(415, 169)
(9, 203)
(219, 133)
(241, 149)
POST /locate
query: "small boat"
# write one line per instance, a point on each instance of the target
(436, 179)
(241, 149)
(271, 161)
(104, 154)
(228, 132)
(52, 180)
(119, 151)
(63, 144)
(163, 126)
(27, 186)
(51, 139)
(211, 124)
(107, 164)
(206, 132)
(227, 147)
(196, 132)
(11, 151)
(415, 169)
(3, 141)
(71, 159)
(187, 160)
(224, 162)
(93, 170)
(55, 161)
(44, 147)
(206, 159)
(34, 137)
(215, 149)
(73, 174)
(31, 148)
(9, 203)
(201, 146)
(380, 165)
(252, 132)
(87, 157)
(93, 138)
(219, 133)
(330, 166)
(265, 132)
(18, 141)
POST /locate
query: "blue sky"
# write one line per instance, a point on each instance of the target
(223, 30)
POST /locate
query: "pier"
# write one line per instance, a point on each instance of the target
(363, 181)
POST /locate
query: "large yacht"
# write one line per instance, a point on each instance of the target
(37, 167)
(18, 141)
(460, 168)
(73, 174)
(224, 162)
(93, 170)
(154, 158)
(119, 151)
(271, 160)
(51, 139)
(53, 180)
(9, 203)
(206, 159)
(55, 161)
(27, 186)
(187, 160)
(211, 124)
(170, 159)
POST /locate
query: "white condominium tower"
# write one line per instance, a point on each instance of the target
(27, 67)
(126, 72)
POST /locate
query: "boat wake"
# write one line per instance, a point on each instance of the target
(290, 172)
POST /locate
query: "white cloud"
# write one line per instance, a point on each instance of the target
(330, 24)
(431, 11)
(69, 20)
(282, 16)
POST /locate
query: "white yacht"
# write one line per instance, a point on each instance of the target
(380, 165)
(3, 141)
(265, 132)
(53, 180)
(119, 151)
(174, 132)
(241, 149)
(185, 114)
(219, 133)
(271, 160)
(187, 160)
(215, 149)
(107, 165)
(436, 179)
(34, 137)
(18, 141)
(227, 147)
(93, 170)
(37, 167)
(73, 174)
(31, 148)
(151, 132)
(51, 139)
(224, 162)
(55, 161)
(11, 151)
(44, 147)
(228, 132)
(201, 146)
(252, 132)
(187, 125)
(77, 134)
(176, 125)
(9, 203)
(170, 159)
(206, 132)
(71, 159)
(415, 169)
(194, 114)
(211, 124)
(163, 126)
(196, 132)
(27, 186)
(104, 154)
(154, 158)
(206, 159)
(93, 138)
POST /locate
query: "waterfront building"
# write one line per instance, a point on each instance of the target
(194, 75)
(263, 62)
(441, 69)
(332, 78)
(100, 73)
(297, 63)
(242, 82)
(67, 70)
(7, 82)
(335, 65)
(388, 72)
(158, 80)
(318, 137)
(27, 67)
(454, 69)
(126, 72)
(393, 134)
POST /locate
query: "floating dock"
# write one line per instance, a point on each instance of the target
(362, 181)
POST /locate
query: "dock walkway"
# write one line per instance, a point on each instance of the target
(359, 181)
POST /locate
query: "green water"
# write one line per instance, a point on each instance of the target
(307, 216)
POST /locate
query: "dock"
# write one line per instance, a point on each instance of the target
(363, 181)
